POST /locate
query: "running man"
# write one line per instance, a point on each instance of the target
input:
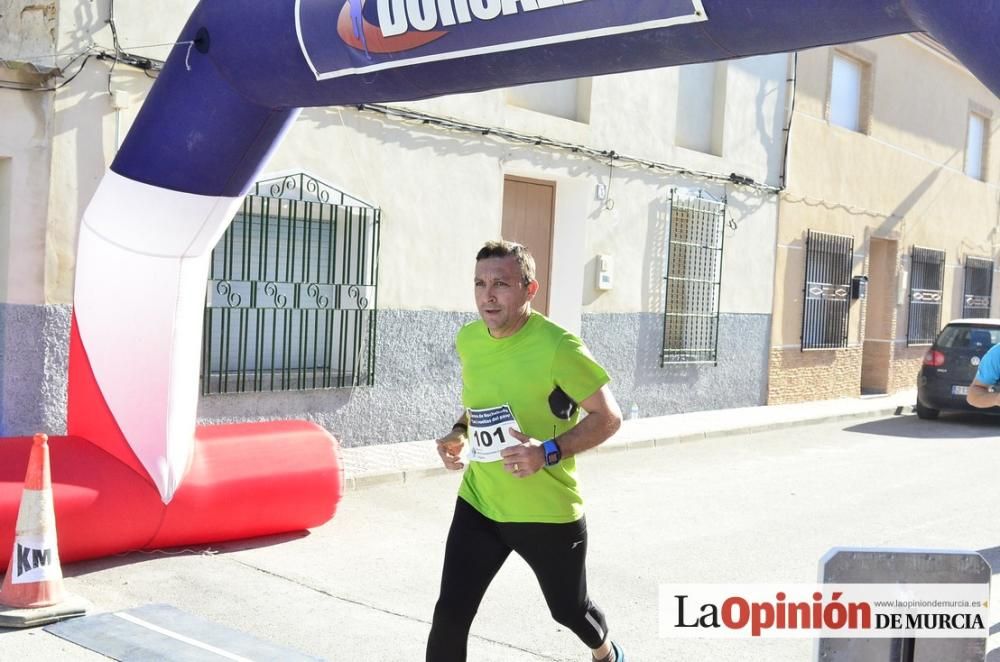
(525, 380)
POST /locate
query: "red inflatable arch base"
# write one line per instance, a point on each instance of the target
(245, 480)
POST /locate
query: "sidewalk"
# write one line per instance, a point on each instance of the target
(407, 461)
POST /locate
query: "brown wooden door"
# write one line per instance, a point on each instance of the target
(528, 207)
(878, 349)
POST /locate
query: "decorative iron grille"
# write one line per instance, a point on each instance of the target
(292, 292)
(694, 280)
(926, 294)
(826, 303)
(978, 294)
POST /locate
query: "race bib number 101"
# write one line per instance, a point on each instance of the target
(489, 433)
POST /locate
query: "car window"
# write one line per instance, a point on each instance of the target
(968, 337)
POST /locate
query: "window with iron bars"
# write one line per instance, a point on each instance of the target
(292, 292)
(978, 294)
(826, 303)
(926, 294)
(693, 280)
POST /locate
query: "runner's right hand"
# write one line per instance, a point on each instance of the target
(449, 447)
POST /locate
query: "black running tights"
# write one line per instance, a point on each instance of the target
(477, 547)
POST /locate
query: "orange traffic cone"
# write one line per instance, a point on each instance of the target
(34, 578)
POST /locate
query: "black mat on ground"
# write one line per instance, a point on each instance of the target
(160, 632)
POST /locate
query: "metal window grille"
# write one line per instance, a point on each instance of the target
(827, 300)
(292, 292)
(977, 296)
(926, 288)
(693, 280)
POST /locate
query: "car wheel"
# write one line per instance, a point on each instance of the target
(927, 413)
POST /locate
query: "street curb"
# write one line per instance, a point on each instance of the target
(407, 475)
(658, 442)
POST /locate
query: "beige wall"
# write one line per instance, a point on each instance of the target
(56, 145)
(904, 180)
(25, 151)
(27, 29)
(635, 114)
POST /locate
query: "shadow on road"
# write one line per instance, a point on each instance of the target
(949, 426)
(81, 568)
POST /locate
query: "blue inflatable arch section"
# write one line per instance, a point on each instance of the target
(223, 101)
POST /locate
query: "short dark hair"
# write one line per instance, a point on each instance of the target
(503, 248)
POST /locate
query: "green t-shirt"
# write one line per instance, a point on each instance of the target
(521, 371)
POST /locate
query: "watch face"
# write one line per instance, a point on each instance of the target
(552, 457)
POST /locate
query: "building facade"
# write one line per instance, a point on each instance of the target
(892, 177)
(649, 199)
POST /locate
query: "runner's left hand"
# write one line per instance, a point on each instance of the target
(525, 459)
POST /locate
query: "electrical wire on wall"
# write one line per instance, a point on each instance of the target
(792, 86)
(50, 72)
(114, 41)
(69, 71)
(126, 57)
(451, 124)
(609, 202)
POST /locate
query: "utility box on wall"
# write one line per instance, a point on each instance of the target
(605, 272)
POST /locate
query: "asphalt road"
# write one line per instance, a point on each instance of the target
(743, 509)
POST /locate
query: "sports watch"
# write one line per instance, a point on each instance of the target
(552, 452)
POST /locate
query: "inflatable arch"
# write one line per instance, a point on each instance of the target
(134, 471)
